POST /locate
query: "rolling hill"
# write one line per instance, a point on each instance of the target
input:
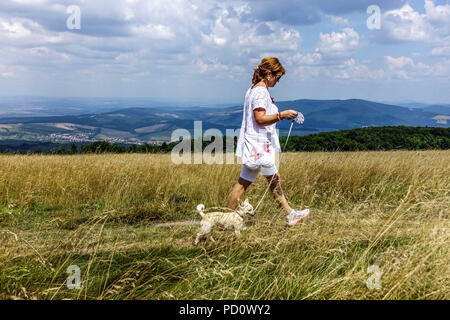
(140, 124)
(441, 109)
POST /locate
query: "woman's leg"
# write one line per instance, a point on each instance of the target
(277, 192)
(237, 193)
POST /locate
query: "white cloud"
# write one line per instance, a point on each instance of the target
(348, 69)
(30, 2)
(211, 65)
(220, 33)
(240, 45)
(25, 33)
(308, 59)
(187, 42)
(353, 70)
(280, 39)
(153, 35)
(405, 68)
(333, 49)
(407, 25)
(14, 29)
(400, 62)
(441, 51)
(437, 14)
(153, 31)
(339, 21)
(339, 44)
(313, 66)
(9, 72)
(332, 58)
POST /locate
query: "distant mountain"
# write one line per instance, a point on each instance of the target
(438, 108)
(412, 104)
(355, 113)
(138, 124)
(441, 109)
(34, 106)
(124, 125)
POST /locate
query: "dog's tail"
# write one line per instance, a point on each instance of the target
(200, 208)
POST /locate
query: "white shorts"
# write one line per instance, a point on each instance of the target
(250, 174)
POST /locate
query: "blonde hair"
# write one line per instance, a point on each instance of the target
(267, 64)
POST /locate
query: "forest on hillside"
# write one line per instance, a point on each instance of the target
(361, 139)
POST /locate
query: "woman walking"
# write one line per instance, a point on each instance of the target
(258, 140)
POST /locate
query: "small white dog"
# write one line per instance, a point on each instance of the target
(228, 220)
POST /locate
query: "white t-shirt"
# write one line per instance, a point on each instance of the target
(258, 97)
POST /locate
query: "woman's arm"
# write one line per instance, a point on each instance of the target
(266, 120)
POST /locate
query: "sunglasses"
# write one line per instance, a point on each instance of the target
(278, 76)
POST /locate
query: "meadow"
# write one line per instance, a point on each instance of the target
(105, 213)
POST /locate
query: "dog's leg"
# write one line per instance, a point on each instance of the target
(197, 239)
(204, 231)
(237, 232)
(240, 226)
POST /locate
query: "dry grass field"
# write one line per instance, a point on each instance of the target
(101, 213)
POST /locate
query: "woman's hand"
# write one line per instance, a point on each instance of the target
(289, 114)
(265, 120)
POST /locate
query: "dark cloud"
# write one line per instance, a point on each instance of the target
(49, 19)
(104, 27)
(92, 23)
(284, 11)
(348, 6)
(307, 12)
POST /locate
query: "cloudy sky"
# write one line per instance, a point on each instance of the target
(206, 50)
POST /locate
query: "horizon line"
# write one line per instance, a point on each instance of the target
(201, 101)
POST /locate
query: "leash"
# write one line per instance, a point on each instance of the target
(268, 186)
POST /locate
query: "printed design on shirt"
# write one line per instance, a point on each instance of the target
(266, 146)
(273, 101)
(255, 154)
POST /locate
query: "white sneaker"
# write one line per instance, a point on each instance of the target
(296, 216)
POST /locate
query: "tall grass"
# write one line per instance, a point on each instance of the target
(100, 212)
